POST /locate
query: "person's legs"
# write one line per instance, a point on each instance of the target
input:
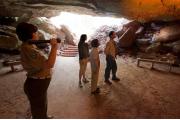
(38, 107)
(93, 82)
(36, 90)
(80, 72)
(84, 70)
(114, 70)
(108, 68)
(97, 78)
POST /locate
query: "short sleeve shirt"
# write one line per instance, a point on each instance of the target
(111, 48)
(33, 61)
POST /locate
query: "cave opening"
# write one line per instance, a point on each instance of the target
(86, 24)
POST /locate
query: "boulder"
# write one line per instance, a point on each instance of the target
(176, 47)
(8, 42)
(46, 30)
(44, 24)
(143, 41)
(9, 29)
(44, 35)
(155, 47)
(8, 38)
(168, 34)
(127, 39)
(134, 25)
(66, 34)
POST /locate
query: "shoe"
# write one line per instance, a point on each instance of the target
(97, 91)
(108, 82)
(80, 85)
(85, 80)
(49, 117)
(115, 79)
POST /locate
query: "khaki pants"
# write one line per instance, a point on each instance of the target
(94, 80)
(83, 65)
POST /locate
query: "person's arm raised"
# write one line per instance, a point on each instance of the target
(52, 56)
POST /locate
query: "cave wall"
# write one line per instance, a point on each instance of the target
(142, 10)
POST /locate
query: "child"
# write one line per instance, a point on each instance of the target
(95, 65)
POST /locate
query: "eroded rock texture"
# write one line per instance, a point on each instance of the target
(142, 10)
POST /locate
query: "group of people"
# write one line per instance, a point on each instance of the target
(111, 52)
(38, 66)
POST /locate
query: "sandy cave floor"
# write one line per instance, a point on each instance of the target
(141, 92)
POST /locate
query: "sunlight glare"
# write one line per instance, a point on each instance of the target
(84, 24)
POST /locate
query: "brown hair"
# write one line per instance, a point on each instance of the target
(25, 30)
(95, 43)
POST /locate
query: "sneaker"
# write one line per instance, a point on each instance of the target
(49, 117)
(97, 91)
(80, 85)
(115, 79)
(108, 82)
(85, 80)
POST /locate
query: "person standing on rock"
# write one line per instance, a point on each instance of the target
(111, 52)
(95, 66)
(83, 50)
(38, 67)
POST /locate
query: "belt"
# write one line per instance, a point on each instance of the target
(41, 78)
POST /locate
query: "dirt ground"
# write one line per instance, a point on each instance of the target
(141, 92)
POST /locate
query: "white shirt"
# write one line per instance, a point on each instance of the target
(94, 59)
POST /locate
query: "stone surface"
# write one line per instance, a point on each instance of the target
(168, 34)
(127, 39)
(141, 10)
(141, 93)
(47, 30)
(7, 36)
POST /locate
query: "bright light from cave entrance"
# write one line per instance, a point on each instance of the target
(85, 24)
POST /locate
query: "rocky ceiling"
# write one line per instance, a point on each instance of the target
(142, 10)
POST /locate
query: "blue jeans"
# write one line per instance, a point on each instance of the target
(110, 65)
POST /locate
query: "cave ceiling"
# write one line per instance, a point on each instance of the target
(142, 10)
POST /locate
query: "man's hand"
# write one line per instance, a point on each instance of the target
(53, 42)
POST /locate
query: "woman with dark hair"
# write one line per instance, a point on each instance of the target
(83, 50)
(95, 66)
(38, 67)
